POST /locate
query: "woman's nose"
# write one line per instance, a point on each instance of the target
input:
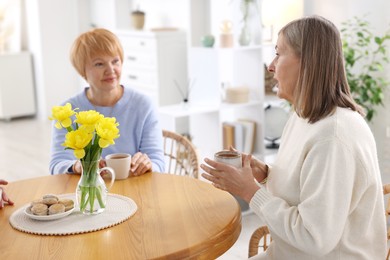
(110, 68)
(271, 67)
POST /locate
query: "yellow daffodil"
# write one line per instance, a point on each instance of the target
(107, 129)
(78, 140)
(63, 115)
(88, 119)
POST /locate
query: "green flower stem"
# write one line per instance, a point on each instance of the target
(89, 192)
(83, 202)
(91, 198)
(99, 197)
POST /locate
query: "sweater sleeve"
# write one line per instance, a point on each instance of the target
(316, 223)
(151, 141)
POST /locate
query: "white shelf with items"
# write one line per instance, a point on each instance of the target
(204, 123)
(203, 117)
(153, 62)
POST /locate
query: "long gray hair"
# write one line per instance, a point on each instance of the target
(322, 83)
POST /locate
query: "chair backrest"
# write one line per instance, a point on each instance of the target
(386, 190)
(260, 238)
(180, 154)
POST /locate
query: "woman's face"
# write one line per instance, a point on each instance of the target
(103, 72)
(285, 67)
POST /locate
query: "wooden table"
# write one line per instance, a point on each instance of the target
(178, 217)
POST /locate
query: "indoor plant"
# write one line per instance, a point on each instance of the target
(365, 55)
(87, 135)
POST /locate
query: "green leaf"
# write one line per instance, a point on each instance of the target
(378, 40)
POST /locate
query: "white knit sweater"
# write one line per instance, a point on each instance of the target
(323, 198)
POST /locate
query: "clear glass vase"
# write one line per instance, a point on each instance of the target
(245, 35)
(91, 191)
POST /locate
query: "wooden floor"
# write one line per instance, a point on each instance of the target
(24, 148)
(25, 153)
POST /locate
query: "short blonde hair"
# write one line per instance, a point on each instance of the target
(95, 42)
(322, 83)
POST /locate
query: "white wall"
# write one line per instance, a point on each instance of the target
(52, 25)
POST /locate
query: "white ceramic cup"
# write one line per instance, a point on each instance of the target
(235, 159)
(120, 163)
(229, 157)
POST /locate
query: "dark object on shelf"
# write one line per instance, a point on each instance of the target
(269, 82)
(275, 117)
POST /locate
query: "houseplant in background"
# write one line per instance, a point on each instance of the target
(87, 136)
(365, 56)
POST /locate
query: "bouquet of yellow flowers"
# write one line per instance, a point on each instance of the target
(87, 136)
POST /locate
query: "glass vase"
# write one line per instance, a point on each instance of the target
(245, 35)
(91, 191)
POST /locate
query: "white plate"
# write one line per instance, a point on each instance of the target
(28, 212)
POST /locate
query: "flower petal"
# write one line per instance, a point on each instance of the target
(79, 153)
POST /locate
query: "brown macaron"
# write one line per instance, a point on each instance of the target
(56, 208)
(39, 209)
(68, 203)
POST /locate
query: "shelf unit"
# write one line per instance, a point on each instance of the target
(203, 117)
(204, 123)
(208, 70)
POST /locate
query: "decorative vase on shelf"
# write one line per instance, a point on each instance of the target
(245, 35)
(226, 37)
(91, 191)
(138, 19)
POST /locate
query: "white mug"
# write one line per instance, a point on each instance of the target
(120, 162)
(229, 157)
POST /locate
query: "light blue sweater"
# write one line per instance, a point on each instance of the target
(139, 130)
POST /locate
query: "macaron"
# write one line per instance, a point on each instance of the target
(56, 208)
(39, 209)
(68, 203)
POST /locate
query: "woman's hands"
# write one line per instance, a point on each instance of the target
(259, 168)
(3, 196)
(238, 181)
(140, 164)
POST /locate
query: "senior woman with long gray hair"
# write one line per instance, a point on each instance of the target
(322, 198)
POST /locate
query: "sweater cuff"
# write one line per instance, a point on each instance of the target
(261, 197)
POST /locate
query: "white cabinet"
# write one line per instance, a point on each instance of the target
(205, 114)
(17, 94)
(153, 62)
